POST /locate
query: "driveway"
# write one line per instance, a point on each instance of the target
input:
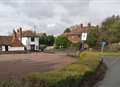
(15, 66)
(112, 77)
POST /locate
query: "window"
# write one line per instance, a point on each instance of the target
(32, 39)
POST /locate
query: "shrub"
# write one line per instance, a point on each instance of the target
(62, 42)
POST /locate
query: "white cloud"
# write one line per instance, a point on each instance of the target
(52, 16)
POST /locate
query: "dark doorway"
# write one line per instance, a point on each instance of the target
(32, 47)
(6, 48)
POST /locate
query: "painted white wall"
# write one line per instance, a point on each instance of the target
(15, 48)
(24, 41)
(37, 43)
(27, 42)
(3, 48)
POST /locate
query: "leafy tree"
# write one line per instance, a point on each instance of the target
(62, 42)
(111, 29)
(93, 37)
(67, 30)
(47, 40)
(51, 40)
(43, 39)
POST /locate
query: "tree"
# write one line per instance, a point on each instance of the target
(51, 40)
(111, 29)
(62, 42)
(93, 36)
(67, 30)
(43, 39)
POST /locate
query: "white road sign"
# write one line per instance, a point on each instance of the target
(84, 36)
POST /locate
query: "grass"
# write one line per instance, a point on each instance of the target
(110, 53)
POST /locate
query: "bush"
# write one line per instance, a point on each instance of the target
(14, 83)
(42, 47)
(62, 42)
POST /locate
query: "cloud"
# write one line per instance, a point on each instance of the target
(53, 16)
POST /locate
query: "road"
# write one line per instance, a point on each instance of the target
(16, 66)
(112, 77)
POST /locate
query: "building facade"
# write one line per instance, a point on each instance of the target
(29, 39)
(20, 41)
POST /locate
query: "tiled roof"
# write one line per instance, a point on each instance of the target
(28, 33)
(75, 35)
(11, 41)
(5, 40)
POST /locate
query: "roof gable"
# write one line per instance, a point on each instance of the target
(28, 33)
(5, 40)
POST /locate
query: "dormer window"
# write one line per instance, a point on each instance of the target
(32, 39)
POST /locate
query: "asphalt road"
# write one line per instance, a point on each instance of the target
(112, 77)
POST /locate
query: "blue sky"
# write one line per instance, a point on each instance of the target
(53, 16)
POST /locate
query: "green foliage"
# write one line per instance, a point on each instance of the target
(14, 83)
(62, 42)
(111, 29)
(91, 59)
(67, 30)
(43, 39)
(47, 40)
(93, 37)
(51, 40)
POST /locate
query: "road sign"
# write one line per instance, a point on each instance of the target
(84, 37)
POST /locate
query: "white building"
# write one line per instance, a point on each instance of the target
(29, 39)
(10, 43)
(20, 41)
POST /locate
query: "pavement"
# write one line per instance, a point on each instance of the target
(112, 77)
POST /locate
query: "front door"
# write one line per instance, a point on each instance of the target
(32, 47)
(6, 48)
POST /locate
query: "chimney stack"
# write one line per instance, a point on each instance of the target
(81, 25)
(14, 34)
(89, 25)
(20, 33)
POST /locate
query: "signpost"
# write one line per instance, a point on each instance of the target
(103, 46)
(83, 38)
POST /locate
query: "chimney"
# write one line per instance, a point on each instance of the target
(81, 25)
(20, 34)
(89, 25)
(14, 34)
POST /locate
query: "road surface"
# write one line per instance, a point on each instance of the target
(112, 77)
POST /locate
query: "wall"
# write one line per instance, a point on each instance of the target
(27, 42)
(15, 48)
(3, 48)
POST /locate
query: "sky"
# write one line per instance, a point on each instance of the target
(53, 16)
